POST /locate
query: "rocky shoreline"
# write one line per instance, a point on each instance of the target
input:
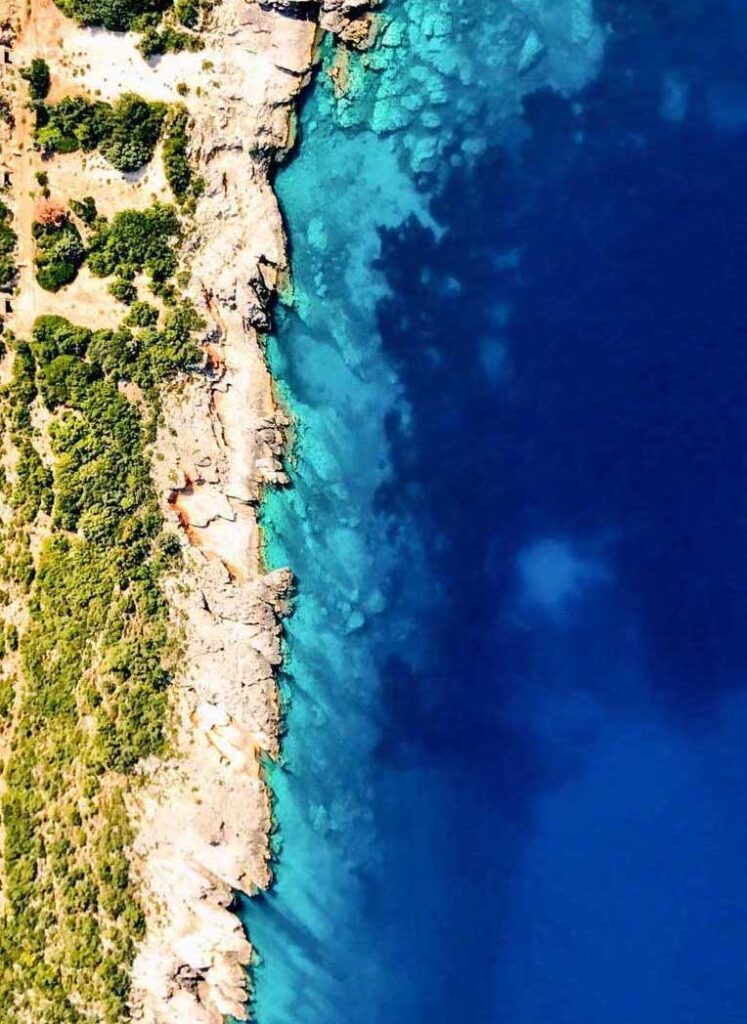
(203, 820)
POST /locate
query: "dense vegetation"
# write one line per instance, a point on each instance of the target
(117, 15)
(86, 647)
(136, 241)
(8, 243)
(126, 132)
(60, 253)
(132, 243)
(83, 688)
(71, 124)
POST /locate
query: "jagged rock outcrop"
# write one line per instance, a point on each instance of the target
(351, 20)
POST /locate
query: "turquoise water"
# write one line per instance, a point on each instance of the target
(365, 164)
(513, 677)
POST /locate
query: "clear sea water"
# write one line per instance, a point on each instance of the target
(514, 782)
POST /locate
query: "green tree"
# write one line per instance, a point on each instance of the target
(38, 77)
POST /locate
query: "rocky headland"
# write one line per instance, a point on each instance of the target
(201, 818)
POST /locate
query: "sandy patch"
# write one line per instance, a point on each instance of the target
(75, 175)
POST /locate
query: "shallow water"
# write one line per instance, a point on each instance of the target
(513, 780)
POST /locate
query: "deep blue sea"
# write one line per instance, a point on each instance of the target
(514, 783)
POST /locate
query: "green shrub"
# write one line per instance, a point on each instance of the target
(149, 355)
(174, 349)
(59, 254)
(73, 123)
(134, 128)
(8, 244)
(136, 241)
(117, 15)
(6, 694)
(85, 209)
(187, 12)
(97, 472)
(126, 132)
(65, 381)
(21, 390)
(38, 77)
(175, 160)
(8, 271)
(55, 336)
(155, 41)
(116, 352)
(33, 490)
(123, 291)
(141, 314)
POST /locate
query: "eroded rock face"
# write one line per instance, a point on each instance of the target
(351, 20)
(203, 818)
